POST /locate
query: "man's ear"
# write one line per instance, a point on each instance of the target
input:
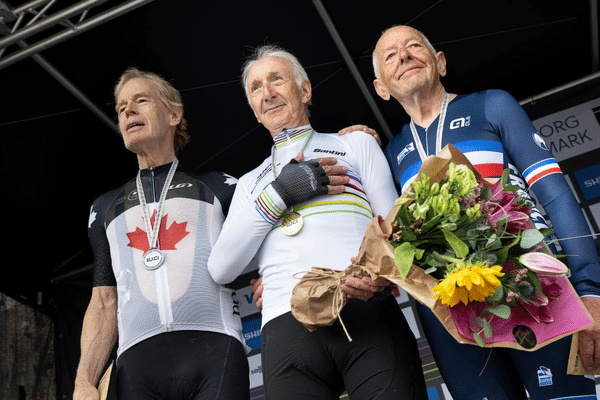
(306, 90)
(176, 116)
(440, 59)
(381, 89)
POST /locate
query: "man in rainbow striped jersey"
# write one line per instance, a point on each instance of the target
(293, 214)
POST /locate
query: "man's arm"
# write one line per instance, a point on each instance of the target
(558, 201)
(381, 193)
(98, 338)
(248, 223)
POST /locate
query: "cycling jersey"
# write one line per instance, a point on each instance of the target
(180, 294)
(334, 225)
(494, 133)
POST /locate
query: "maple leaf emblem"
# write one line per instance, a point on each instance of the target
(167, 237)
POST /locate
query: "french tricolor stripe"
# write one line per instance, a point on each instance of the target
(485, 155)
(541, 169)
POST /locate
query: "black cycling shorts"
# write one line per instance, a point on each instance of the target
(184, 365)
(381, 362)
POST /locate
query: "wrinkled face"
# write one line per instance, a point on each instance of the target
(277, 101)
(144, 120)
(406, 63)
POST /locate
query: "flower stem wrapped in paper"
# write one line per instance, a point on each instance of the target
(466, 249)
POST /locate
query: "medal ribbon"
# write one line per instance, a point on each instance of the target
(438, 135)
(288, 134)
(152, 232)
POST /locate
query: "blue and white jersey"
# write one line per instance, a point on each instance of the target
(492, 130)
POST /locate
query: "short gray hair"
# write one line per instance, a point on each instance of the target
(376, 62)
(272, 51)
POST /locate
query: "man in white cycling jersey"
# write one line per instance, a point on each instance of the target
(302, 208)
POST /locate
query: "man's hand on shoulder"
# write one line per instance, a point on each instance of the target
(363, 128)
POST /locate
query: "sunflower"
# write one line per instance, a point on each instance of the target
(468, 283)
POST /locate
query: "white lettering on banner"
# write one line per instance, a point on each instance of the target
(251, 335)
(571, 132)
(592, 182)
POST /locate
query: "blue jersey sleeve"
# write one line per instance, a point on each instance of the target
(527, 150)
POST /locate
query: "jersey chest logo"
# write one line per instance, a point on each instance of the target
(405, 151)
(168, 236)
(460, 122)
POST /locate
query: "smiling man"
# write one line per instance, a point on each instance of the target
(293, 215)
(494, 133)
(179, 332)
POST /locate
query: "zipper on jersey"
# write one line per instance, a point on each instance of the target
(163, 295)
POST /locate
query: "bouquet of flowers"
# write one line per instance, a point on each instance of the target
(466, 249)
(478, 241)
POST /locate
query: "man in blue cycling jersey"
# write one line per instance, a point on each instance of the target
(494, 132)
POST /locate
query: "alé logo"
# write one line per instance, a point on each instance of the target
(460, 122)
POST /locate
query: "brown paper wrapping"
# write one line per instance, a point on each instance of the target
(317, 299)
(575, 366)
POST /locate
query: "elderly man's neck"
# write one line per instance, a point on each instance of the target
(276, 132)
(424, 106)
(155, 159)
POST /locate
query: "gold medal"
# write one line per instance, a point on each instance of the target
(292, 223)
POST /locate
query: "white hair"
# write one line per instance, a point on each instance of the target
(272, 51)
(376, 62)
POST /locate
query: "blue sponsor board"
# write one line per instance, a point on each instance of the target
(432, 393)
(251, 332)
(588, 180)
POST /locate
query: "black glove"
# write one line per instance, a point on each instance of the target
(299, 182)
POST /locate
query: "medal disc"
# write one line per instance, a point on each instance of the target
(153, 259)
(292, 223)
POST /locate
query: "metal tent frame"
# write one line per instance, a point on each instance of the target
(15, 31)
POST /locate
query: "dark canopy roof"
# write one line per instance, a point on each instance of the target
(60, 148)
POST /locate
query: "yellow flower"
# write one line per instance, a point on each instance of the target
(468, 283)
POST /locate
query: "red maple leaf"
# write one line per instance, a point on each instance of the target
(167, 237)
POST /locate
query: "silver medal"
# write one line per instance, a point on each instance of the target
(153, 259)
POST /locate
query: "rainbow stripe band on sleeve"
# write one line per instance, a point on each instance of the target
(267, 206)
(540, 170)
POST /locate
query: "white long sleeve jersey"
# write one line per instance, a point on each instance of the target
(334, 225)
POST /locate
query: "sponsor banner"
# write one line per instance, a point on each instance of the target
(588, 180)
(256, 377)
(573, 131)
(246, 299)
(251, 332)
